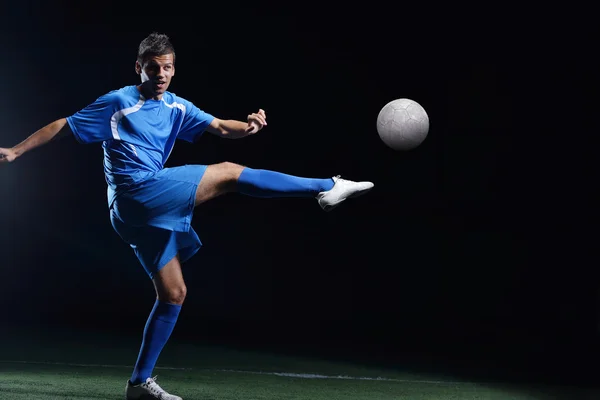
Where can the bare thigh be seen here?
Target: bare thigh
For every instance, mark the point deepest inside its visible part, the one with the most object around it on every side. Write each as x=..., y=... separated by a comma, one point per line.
x=169, y=284
x=218, y=179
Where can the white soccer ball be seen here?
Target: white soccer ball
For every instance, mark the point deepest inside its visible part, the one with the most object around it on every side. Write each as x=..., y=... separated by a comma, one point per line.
x=402, y=124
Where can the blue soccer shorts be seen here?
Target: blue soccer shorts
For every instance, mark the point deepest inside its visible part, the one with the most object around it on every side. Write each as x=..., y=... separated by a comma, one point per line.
x=154, y=216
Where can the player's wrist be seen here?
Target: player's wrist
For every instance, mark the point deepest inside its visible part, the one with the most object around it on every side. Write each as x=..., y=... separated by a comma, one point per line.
x=17, y=152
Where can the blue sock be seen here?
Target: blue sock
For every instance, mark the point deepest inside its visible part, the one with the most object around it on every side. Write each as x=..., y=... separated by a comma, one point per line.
x=264, y=183
x=158, y=329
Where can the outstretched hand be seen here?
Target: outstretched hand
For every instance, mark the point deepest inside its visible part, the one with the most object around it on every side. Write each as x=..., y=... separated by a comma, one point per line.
x=256, y=122
x=7, y=155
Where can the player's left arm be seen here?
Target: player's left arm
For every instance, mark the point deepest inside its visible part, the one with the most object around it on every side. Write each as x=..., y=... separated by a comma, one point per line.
x=233, y=129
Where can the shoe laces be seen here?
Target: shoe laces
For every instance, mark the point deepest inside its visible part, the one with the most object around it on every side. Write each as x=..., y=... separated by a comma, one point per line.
x=153, y=386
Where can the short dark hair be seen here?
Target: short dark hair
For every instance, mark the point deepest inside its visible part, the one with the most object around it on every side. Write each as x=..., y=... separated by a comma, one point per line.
x=155, y=44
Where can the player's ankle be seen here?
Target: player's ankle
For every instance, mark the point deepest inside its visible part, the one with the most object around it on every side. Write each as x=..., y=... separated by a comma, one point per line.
x=136, y=381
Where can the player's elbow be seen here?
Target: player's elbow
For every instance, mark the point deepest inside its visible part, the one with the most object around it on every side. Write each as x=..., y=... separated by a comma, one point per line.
x=216, y=127
x=223, y=132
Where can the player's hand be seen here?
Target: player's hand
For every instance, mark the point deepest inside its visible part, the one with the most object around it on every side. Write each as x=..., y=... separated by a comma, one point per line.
x=7, y=155
x=256, y=122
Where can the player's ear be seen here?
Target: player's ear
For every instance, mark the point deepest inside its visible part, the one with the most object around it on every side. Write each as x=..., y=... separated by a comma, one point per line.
x=138, y=68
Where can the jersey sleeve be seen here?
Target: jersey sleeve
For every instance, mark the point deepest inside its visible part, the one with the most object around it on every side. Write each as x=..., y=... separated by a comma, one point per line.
x=92, y=124
x=195, y=122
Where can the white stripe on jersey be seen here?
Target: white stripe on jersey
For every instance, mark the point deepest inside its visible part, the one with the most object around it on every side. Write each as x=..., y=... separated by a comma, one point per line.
x=116, y=117
x=174, y=104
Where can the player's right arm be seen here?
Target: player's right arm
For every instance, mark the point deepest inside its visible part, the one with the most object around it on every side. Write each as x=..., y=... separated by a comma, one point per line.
x=52, y=131
x=92, y=124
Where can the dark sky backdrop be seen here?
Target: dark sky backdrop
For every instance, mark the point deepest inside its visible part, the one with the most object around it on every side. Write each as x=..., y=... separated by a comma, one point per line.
x=480, y=229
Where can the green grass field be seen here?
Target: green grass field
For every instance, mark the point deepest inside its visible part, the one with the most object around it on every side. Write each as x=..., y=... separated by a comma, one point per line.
x=36, y=366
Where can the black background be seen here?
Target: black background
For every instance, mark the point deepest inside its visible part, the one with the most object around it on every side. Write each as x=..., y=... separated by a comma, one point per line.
x=481, y=238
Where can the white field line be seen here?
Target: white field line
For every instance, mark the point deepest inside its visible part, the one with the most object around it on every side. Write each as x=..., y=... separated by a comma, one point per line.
x=283, y=374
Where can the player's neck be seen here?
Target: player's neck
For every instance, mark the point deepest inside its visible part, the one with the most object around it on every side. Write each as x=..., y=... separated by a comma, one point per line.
x=148, y=95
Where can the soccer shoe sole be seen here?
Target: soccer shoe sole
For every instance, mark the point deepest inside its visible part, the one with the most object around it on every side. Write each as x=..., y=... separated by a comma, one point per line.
x=143, y=397
x=329, y=207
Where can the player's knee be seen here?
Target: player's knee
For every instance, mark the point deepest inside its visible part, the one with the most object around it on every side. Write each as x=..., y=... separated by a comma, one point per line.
x=230, y=172
x=219, y=179
x=174, y=295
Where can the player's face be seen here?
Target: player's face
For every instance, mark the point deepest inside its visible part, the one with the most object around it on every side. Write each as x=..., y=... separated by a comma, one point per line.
x=156, y=73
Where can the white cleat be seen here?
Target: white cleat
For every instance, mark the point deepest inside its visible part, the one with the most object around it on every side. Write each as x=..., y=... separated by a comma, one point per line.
x=148, y=390
x=342, y=189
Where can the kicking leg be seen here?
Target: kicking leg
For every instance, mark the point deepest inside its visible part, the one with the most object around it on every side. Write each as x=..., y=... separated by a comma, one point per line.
x=170, y=291
x=229, y=177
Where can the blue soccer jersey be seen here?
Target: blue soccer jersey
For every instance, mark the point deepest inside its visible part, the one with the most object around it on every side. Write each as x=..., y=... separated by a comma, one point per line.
x=137, y=134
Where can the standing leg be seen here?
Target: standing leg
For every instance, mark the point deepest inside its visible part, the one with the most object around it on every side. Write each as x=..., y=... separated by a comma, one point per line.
x=171, y=291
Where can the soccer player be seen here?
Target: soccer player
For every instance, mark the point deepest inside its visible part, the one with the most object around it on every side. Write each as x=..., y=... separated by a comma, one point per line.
x=151, y=206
